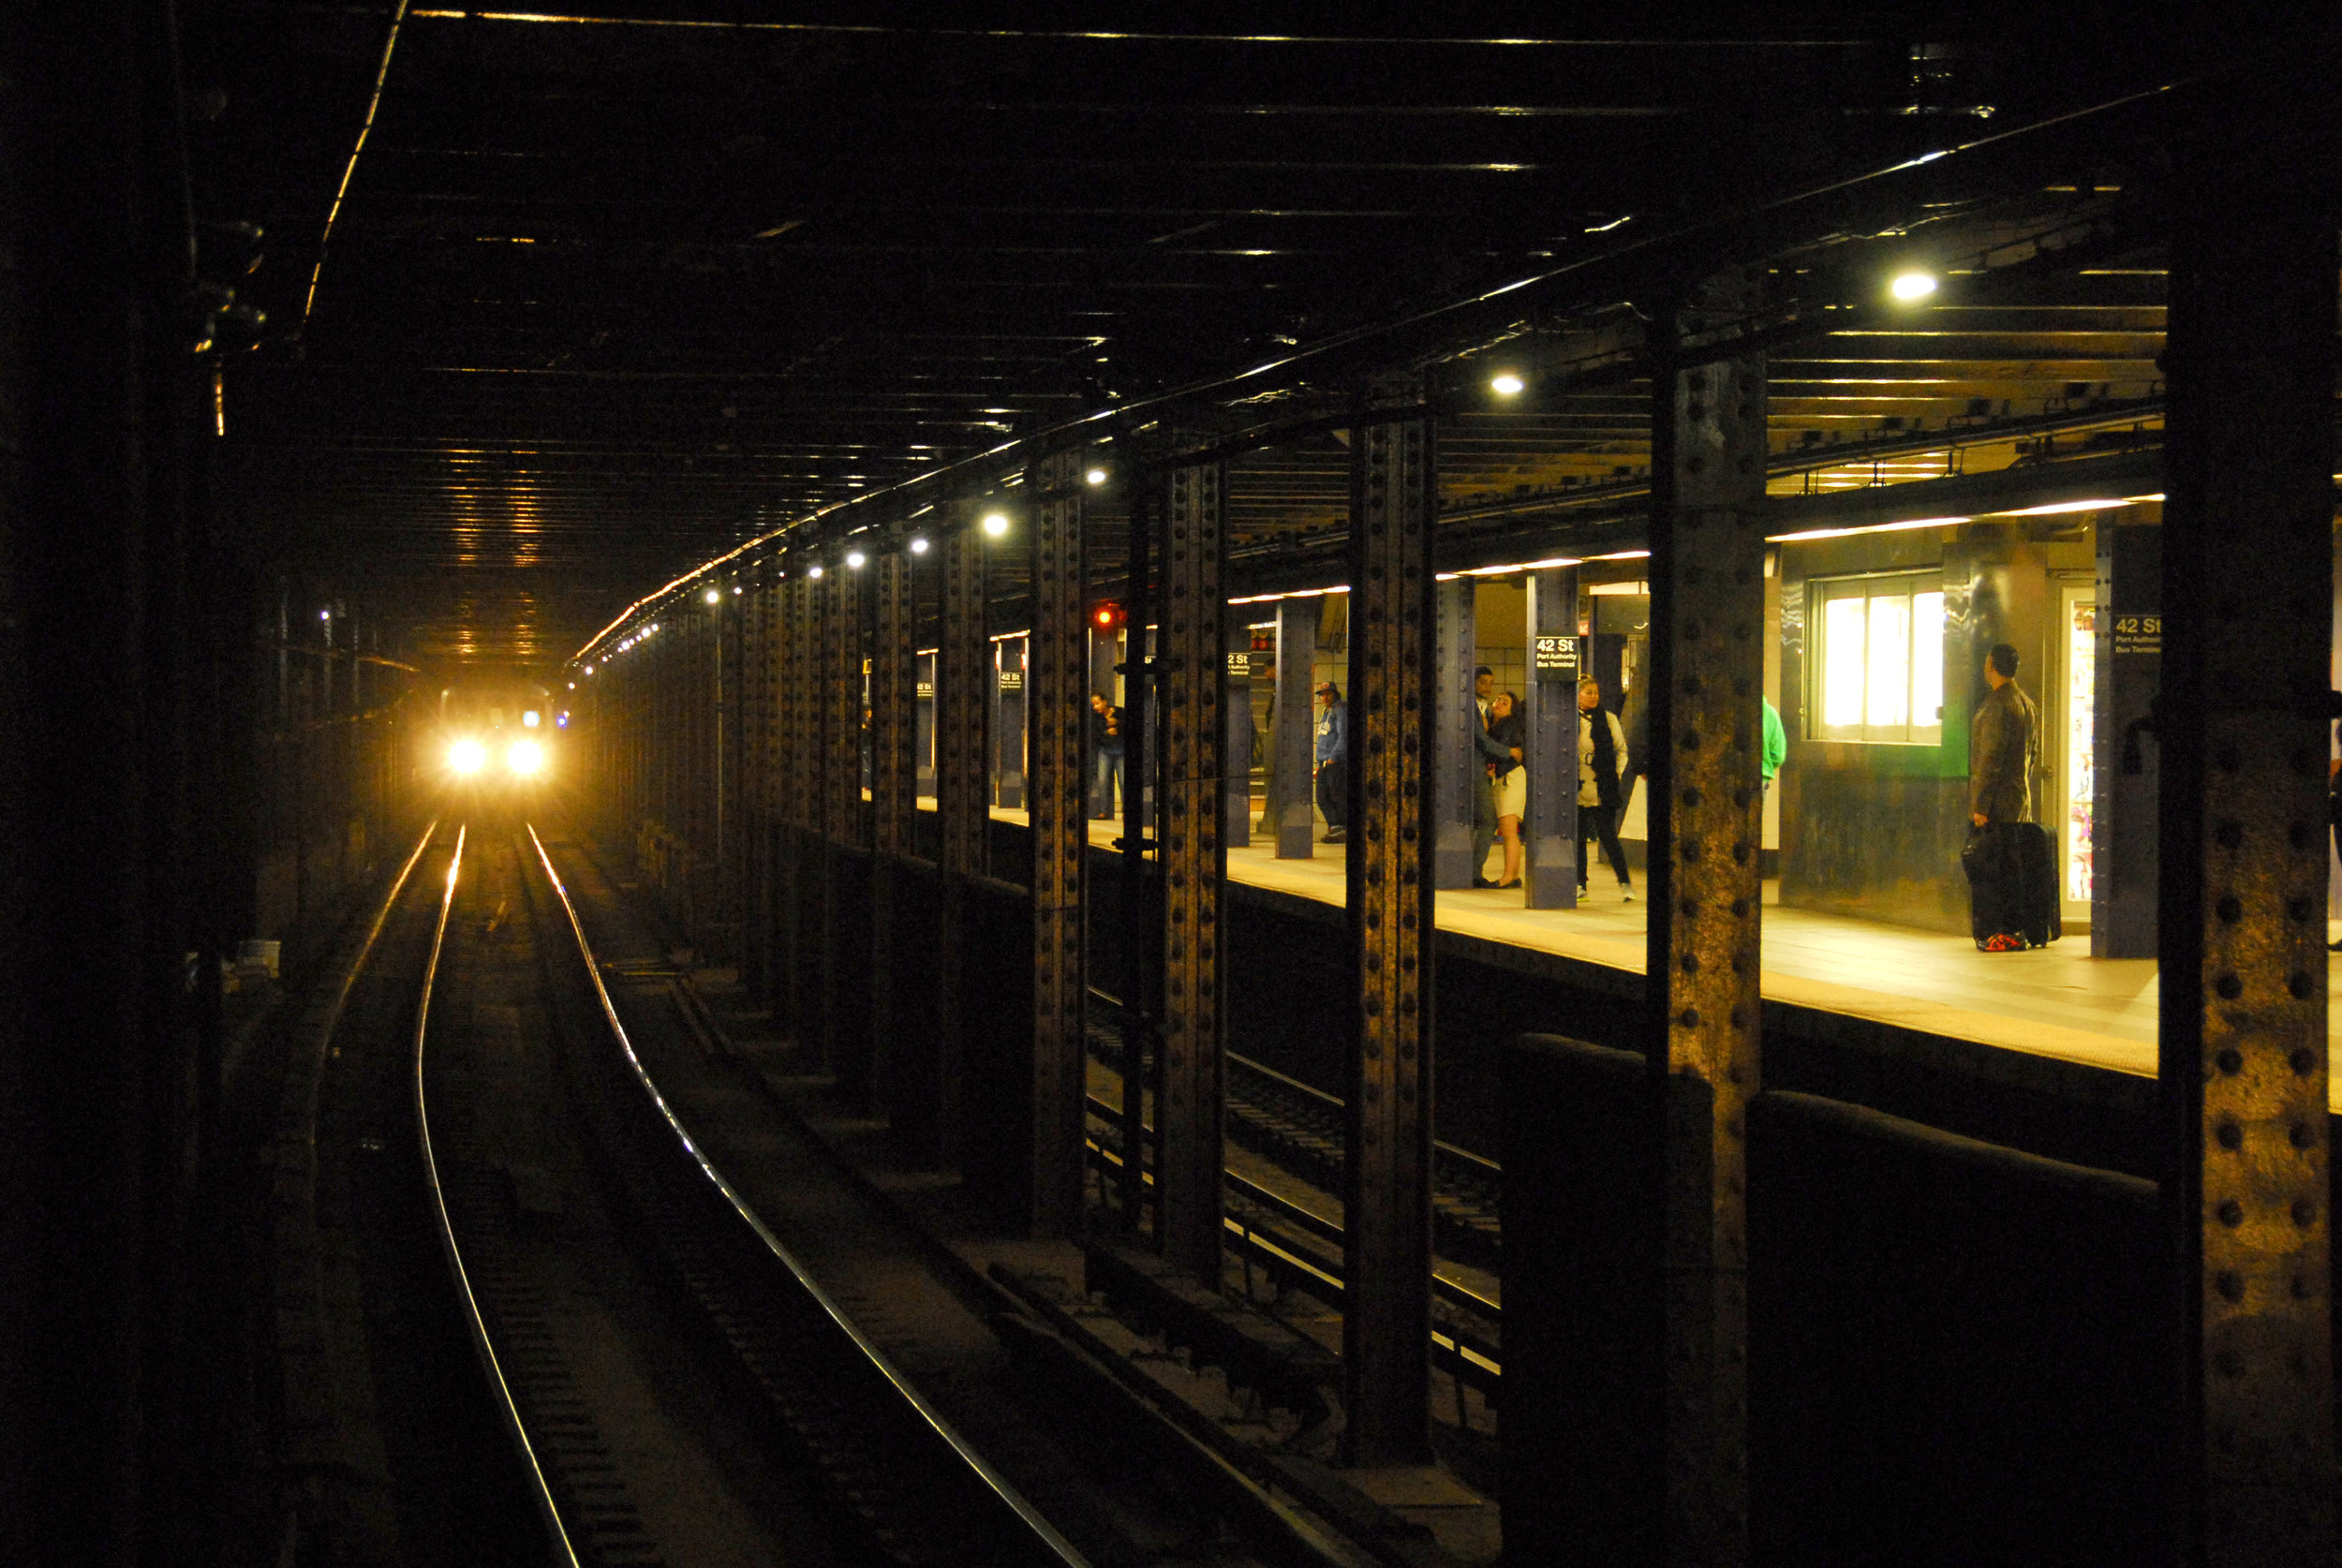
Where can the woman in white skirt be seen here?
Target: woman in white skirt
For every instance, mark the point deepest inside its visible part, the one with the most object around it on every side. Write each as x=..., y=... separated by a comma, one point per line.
x=1508, y=727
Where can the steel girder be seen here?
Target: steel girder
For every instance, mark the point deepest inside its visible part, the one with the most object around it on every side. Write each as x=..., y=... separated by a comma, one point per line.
x=1707, y=642
x=1057, y=688
x=1387, y=1244
x=962, y=693
x=2247, y=618
x=1193, y=865
x=894, y=709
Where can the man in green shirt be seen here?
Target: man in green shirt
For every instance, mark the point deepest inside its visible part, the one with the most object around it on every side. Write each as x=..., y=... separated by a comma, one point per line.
x=1777, y=743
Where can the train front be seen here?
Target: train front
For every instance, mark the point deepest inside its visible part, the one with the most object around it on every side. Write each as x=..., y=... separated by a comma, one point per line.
x=496, y=749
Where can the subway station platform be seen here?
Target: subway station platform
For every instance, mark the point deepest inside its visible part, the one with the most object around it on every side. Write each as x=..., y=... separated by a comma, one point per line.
x=2056, y=1002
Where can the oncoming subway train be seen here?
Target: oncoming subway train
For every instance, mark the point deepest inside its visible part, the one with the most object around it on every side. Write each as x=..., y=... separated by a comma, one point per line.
x=496, y=741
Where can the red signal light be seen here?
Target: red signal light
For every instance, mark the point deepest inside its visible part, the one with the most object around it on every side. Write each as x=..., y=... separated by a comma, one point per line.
x=1109, y=618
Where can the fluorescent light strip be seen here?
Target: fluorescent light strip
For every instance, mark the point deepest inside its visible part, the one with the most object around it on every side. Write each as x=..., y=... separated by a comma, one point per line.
x=2055, y=507
x=1866, y=529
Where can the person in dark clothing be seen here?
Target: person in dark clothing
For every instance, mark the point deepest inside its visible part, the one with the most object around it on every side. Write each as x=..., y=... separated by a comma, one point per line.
x=1105, y=747
x=1509, y=728
x=2004, y=753
x=1637, y=719
x=1485, y=755
x=1601, y=785
x=1332, y=751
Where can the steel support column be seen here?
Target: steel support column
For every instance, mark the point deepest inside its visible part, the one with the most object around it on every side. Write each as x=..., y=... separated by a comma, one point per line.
x=841, y=699
x=1189, y=1120
x=962, y=693
x=1707, y=645
x=1058, y=723
x=1292, y=748
x=1387, y=1244
x=1550, y=830
x=894, y=781
x=1454, y=758
x=1010, y=656
x=2247, y=618
x=1237, y=735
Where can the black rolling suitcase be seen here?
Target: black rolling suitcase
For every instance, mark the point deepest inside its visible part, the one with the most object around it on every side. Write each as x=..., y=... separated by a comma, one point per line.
x=2012, y=883
x=2041, y=911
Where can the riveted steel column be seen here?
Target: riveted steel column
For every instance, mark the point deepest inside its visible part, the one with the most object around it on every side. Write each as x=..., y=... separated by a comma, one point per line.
x=963, y=692
x=893, y=782
x=2246, y=616
x=1387, y=1244
x=1291, y=731
x=1238, y=732
x=806, y=774
x=963, y=679
x=1058, y=726
x=1458, y=764
x=1189, y=1118
x=1009, y=657
x=1707, y=642
x=841, y=694
x=1550, y=828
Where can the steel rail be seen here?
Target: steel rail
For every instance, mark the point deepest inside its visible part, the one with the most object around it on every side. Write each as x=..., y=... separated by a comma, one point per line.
x=1046, y=1534
x=1477, y=1361
x=564, y=1552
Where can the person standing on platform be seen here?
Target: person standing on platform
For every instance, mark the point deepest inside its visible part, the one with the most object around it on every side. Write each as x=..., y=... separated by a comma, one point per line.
x=2004, y=749
x=1486, y=754
x=1333, y=762
x=1105, y=741
x=1777, y=743
x=1601, y=781
x=1509, y=728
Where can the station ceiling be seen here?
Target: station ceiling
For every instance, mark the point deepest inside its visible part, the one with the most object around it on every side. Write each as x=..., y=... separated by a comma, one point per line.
x=601, y=294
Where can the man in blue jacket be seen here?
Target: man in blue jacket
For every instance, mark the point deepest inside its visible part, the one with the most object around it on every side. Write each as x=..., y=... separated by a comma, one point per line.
x=1333, y=762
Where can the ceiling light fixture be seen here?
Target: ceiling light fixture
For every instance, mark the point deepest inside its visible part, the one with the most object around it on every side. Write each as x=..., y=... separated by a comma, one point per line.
x=1912, y=287
x=995, y=523
x=1506, y=384
x=854, y=558
x=919, y=546
x=1096, y=476
x=1866, y=529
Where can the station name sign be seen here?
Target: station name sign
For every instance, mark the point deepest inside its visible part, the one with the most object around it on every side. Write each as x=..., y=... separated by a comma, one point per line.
x=2138, y=634
x=926, y=690
x=1012, y=680
x=1556, y=658
x=1240, y=666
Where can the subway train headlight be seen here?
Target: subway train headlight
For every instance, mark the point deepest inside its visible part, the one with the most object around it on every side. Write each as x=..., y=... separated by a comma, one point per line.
x=466, y=757
x=526, y=757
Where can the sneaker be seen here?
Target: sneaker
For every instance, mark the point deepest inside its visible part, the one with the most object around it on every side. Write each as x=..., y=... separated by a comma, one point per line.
x=2002, y=941
x=1625, y=894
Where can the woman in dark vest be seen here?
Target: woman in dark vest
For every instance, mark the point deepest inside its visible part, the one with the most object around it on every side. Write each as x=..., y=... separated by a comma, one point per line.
x=1601, y=784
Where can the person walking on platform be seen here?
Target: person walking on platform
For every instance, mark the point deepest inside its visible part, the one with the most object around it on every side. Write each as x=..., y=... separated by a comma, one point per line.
x=1333, y=762
x=2004, y=750
x=1601, y=781
x=1509, y=728
x=1486, y=754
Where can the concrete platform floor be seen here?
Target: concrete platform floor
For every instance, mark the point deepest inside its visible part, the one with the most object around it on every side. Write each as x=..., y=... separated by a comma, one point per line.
x=2054, y=1001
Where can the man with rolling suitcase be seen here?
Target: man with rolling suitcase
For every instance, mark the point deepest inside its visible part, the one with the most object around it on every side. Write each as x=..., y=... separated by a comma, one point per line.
x=2012, y=883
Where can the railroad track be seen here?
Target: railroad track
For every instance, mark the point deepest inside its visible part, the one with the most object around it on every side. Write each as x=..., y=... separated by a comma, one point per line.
x=896, y=1483
x=1298, y=1127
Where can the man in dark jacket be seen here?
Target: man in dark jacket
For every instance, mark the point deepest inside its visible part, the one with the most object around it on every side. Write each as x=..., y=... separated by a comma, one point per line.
x=2004, y=752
